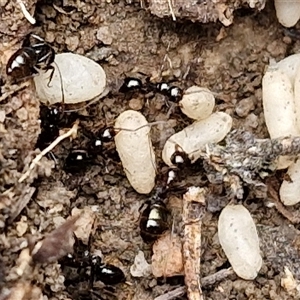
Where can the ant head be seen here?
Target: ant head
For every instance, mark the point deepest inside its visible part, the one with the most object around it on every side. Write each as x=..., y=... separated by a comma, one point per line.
x=107, y=134
x=96, y=260
x=180, y=157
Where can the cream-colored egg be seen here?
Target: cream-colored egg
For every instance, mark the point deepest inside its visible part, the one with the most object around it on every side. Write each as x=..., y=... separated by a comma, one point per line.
x=290, y=66
x=290, y=189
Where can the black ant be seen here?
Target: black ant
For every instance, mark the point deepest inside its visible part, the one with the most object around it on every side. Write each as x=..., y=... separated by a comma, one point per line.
x=132, y=84
x=28, y=60
x=174, y=93
x=37, y=55
x=78, y=159
x=154, y=220
x=155, y=217
x=103, y=136
x=180, y=158
x=85, y=266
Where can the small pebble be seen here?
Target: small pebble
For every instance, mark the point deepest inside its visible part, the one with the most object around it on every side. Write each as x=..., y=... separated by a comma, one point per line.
x=244, y=106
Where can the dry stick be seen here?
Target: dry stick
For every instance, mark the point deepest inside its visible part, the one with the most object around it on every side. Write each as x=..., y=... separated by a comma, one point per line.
x=25, y=12
x=193, y=213
x=171, y=10
x=205, y=281
x=71, y=132
x=292, y=217
x=19, y=88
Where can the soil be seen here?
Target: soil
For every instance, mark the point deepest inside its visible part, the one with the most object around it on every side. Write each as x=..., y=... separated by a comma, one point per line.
x=127, y=40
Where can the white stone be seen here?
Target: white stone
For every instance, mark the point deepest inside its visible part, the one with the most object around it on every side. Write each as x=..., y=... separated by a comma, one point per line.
x=239, y=240
x=136, y=151
x=140, y=268
x=83, y=79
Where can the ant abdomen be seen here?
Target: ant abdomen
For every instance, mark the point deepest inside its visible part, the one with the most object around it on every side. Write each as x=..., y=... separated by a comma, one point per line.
x=154, y=221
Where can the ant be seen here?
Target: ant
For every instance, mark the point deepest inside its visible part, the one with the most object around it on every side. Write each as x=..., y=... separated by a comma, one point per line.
x=34, y=56
x=88, y=267
x=154, y=220
x=132, y=84
x=78, y=159
x=26, y=62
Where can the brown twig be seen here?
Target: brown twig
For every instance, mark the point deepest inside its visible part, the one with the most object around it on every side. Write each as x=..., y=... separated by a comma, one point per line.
x=193, y=212
x=20, y=87
x=293, y=218
x=205, y=281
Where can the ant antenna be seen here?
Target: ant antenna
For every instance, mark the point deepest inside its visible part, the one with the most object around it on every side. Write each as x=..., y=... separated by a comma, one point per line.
x=146, y=125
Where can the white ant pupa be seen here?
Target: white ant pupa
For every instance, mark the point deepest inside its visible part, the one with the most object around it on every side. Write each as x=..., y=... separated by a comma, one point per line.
x=193, y=138
x=82, y=78
x=136, y=151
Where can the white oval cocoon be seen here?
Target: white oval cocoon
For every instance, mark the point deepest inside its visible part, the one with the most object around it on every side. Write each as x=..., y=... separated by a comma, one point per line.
x=297, y=97
x=278, y=103
x=290, y=66
x=197, y=103
x=83, y=79
x=194, y=137
x=290, y=189
x=287, y=11
x=239, y=240
x=279, y=107
x=136, y=151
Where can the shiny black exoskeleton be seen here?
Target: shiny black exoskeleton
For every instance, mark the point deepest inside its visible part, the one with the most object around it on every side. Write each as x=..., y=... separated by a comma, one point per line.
x=90, y=267
x=105, y=135
x=131, y=84
x=154, y=220
x=173, y=93
x=106, y=273
x=77, y=160
x=34, y=56
x=51, y=118
x=180, y=158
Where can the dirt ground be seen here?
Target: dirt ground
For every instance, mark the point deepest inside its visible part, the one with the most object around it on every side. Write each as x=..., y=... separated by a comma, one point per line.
x=128, y=40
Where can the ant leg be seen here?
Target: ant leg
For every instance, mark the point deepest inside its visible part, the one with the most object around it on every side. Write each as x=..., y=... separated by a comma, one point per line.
x=37, y=38
x=51, y=74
